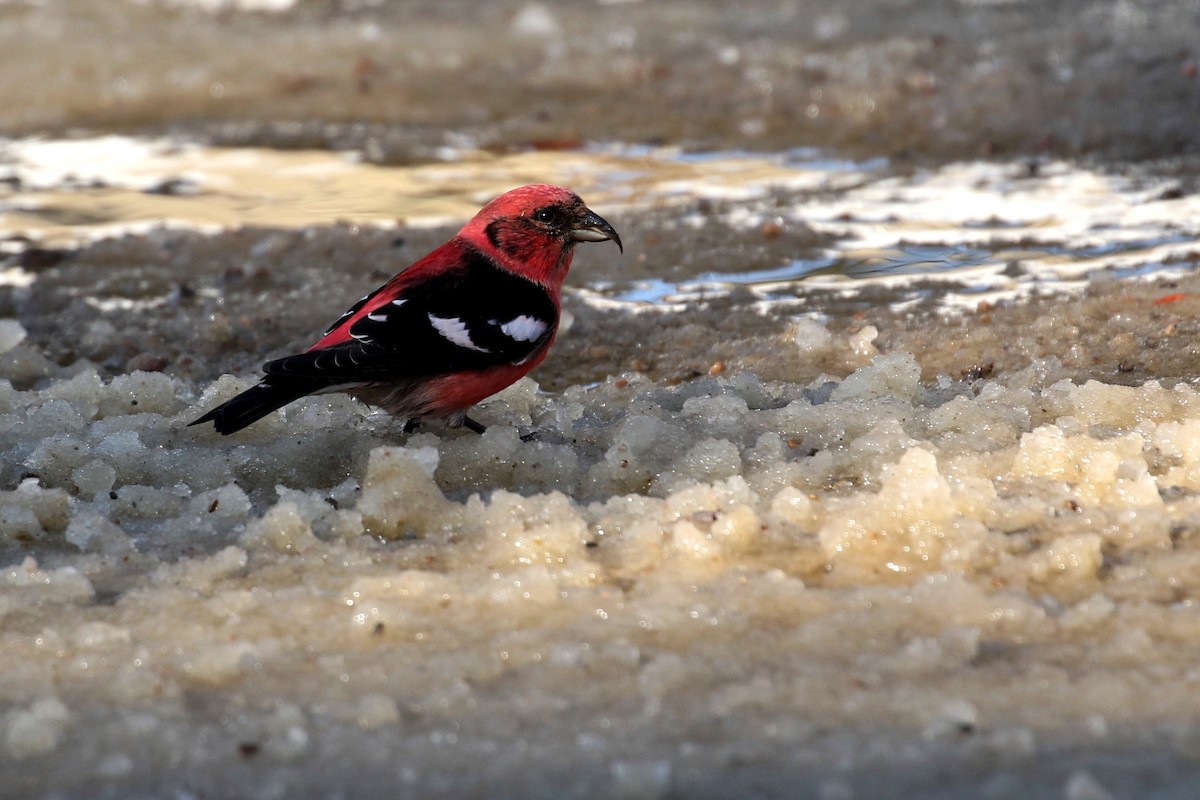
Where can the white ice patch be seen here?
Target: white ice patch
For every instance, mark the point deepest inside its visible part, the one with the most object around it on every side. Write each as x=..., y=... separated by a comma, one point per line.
x=378, y=316
x=524, y=328
x=17, y=277
x=399, y=302
x=455, y=330
x=11, y=334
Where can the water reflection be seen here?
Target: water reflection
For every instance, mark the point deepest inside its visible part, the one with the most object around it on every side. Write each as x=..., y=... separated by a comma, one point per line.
x=974, y=227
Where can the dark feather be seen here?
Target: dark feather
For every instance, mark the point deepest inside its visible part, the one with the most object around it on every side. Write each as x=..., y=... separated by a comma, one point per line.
x=258, y=401
x=405, y=344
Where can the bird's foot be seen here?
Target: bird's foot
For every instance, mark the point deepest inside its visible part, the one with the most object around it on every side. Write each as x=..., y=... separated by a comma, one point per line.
x=465, y=422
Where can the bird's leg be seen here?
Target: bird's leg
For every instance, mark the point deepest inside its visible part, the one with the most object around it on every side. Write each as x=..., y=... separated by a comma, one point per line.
x=472, y=425
x=412, y=424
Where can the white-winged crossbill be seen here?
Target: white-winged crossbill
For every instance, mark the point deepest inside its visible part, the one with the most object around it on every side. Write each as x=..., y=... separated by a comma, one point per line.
x=457, y=326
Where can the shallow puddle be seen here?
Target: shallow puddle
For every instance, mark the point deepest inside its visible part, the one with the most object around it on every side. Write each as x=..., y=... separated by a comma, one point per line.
x=985, y=231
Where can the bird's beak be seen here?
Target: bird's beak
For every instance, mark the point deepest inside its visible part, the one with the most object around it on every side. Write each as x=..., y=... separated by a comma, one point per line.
x=591, y=227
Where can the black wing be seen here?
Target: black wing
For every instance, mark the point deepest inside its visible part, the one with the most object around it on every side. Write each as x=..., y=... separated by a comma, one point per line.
x=470, y=317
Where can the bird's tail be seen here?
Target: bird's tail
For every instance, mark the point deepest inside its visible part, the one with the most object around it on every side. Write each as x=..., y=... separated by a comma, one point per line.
x=256, y=402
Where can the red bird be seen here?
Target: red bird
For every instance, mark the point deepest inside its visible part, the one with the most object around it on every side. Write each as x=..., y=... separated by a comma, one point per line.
x=465, y=321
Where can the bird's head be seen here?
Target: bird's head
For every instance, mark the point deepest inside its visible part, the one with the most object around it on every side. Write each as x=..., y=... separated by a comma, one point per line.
x=533, y=230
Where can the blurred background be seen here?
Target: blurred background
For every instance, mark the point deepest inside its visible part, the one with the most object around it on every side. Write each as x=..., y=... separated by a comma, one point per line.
x=916, y=79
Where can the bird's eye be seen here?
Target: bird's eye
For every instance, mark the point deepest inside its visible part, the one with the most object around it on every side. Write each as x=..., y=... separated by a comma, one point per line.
x=544, y=215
